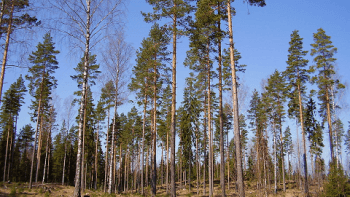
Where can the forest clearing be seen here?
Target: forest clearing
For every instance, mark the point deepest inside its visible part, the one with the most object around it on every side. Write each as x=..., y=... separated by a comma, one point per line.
x=57, y=190
x=189, y=98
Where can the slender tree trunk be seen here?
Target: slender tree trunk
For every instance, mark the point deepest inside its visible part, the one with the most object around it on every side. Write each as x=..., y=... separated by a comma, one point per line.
x=147, y=163
x=228, y=164
x=306, y=187
x=209, y=127
x=65, y=156
x=7, y=43
x=83, y=181
x=38, y=154
x=299, y=165
x=282, y=155
x=337, y=152
x=329, y=120
x=7, y=145
x=13, y=138
x=222, y=154
x=143, y=143
x=161, y=167
x=197, y=162
x=77, y=188
x=167, y=162
x=275, y=155
x=106, y=159
x=154, y=138
x=46, y=156
x=112, y=163
x=173, y=108
x=240, y=183
x=96, y=148
x=205, y=146
x=47, y=144
x=36, y=131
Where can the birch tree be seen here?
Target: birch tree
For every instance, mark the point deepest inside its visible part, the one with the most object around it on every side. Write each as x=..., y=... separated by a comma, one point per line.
x=116, y=62
x=85, y=22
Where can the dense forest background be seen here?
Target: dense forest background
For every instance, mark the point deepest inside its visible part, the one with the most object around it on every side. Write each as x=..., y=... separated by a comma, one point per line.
x=90, y=96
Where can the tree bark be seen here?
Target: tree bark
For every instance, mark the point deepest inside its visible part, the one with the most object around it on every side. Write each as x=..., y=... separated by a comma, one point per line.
x=143, y=143
x=36, y=132
x=96, y=148
x=77, y=188
x=173, y=108
x=240, y=183
x=38, y=154
x=306, y=186
x=106, y=159
x=222, y=156
x=154, y=135
x=209, y=127
x=7, y=43
x=7, y=145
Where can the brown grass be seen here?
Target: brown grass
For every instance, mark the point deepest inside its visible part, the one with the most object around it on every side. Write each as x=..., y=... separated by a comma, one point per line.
x=43, y=190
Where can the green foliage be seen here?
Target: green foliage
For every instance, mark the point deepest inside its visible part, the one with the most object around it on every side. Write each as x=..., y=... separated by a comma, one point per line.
x=313, y=128
x=20, y=18
x=44, y=65
x=347, y=140
x=13, y=191
x=92, y=73
x=47, y=194
x=296, y=73
x=323, y=52
x=41, y=79
x=337, y=183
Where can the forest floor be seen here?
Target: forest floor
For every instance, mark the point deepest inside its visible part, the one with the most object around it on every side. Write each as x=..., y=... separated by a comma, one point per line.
x=50, y=189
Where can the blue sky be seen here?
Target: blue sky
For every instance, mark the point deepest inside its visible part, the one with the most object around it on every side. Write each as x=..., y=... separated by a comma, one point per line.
x=261, y=35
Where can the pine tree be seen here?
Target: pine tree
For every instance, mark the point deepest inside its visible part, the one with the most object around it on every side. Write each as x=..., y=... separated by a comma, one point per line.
x=288, y=147
x=11, y=106
x=323, y=52
x=12, y=16
x=258, y=122
x=275, y=93
x=24, y=144
x=337, y=184
x=177, y=12
x=297, y=75
x=240, y=181
x=41, y=83
x=315, y=134
x=347, y=141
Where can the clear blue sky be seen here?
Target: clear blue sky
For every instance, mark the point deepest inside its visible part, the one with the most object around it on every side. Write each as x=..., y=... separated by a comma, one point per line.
x=262, y=36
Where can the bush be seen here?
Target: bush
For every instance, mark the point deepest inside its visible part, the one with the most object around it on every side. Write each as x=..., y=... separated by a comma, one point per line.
x=337, y=183
x=13, y=191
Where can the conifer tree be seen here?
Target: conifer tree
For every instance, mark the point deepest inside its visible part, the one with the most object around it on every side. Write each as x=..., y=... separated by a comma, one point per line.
x=347, y=140
x=288, y=147
x=315, y=134
x=11, y=19
x=240, y=181
x=275, y=93
x=41, y=82
x=297, y=75
x=177, y=11
x=24, y=143
x=323, y=52
x=258, y=122
x=11, y=106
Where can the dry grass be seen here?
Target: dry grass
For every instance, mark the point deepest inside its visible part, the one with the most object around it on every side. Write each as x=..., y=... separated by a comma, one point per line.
x=21, y=189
